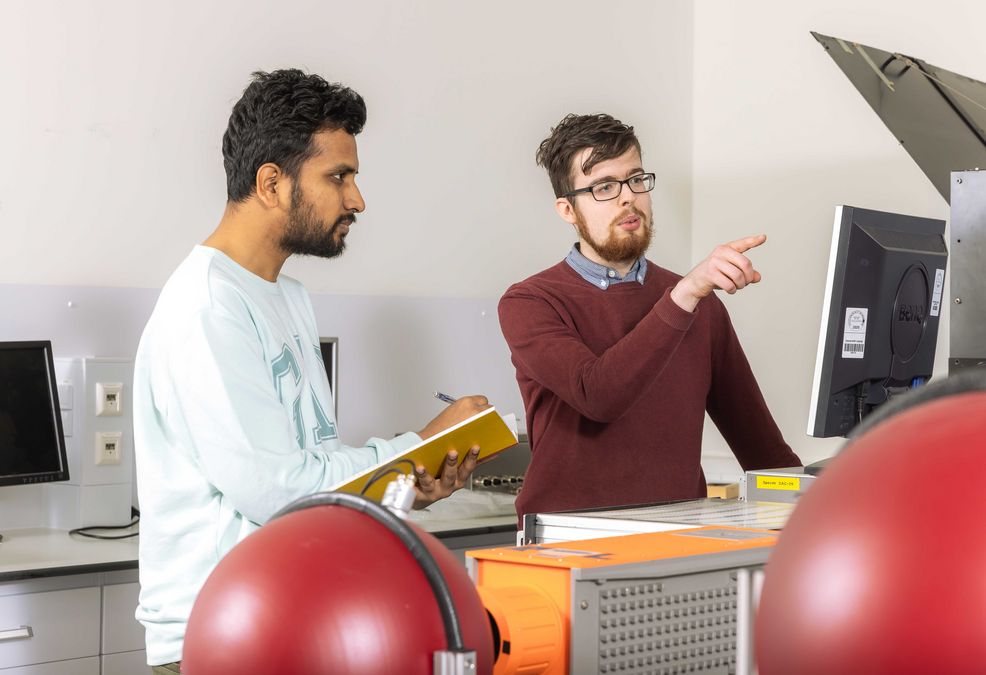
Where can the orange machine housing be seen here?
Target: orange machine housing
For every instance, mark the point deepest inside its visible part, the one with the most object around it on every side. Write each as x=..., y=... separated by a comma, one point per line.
x=528, y=591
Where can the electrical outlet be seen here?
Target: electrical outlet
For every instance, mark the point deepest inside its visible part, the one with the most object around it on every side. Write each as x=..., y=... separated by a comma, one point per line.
x=109, y=447
x=109, y=399
x=66, y=395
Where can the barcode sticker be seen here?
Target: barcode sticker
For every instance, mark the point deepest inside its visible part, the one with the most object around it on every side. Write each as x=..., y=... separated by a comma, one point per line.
x=854, y=335
x=936, y=293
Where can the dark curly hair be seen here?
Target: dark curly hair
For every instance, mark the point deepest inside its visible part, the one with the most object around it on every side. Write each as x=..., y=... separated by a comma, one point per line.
x=275, y=119
x=608, y=137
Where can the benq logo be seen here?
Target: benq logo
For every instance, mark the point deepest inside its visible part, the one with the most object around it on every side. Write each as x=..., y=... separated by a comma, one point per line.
x=911, y=313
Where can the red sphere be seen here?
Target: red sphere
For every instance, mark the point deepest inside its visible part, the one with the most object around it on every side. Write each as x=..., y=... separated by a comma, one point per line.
x=882, y=566
x=328, y=589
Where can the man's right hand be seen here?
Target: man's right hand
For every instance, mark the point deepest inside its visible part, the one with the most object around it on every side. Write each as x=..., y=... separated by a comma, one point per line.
x=726, y=269
x=462, y=409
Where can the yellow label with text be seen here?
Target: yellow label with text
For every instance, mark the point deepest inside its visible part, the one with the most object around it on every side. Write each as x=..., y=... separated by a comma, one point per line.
x=778, y=483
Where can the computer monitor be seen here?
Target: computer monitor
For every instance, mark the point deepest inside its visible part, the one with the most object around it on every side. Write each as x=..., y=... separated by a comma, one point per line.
x=32, y=443
x=329, y=347
x=880, y=315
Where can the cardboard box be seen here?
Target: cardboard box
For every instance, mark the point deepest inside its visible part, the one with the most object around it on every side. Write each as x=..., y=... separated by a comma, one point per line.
x=723, y=491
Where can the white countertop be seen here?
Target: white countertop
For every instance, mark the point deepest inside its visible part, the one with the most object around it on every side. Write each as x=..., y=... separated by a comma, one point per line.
x=45, y=552
x=455, y=526
x=34, y=552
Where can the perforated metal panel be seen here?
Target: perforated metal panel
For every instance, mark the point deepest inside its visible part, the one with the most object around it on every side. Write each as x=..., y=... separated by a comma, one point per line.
x=679, y=624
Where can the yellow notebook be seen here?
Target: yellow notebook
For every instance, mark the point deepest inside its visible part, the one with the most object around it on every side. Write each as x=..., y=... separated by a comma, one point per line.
x=486, y=429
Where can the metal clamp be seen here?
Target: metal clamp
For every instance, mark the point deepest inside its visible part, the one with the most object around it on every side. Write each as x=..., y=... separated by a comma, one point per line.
x=399, y=495
x=455, y=663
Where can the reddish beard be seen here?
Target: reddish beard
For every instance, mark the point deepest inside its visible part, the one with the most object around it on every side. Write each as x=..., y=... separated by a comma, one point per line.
x=620, y=246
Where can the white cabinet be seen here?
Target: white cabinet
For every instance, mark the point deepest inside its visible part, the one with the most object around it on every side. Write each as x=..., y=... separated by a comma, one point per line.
x=72, y=625
x=48, y=626
x=121, y=631
x=127, y=663
x=89, y=666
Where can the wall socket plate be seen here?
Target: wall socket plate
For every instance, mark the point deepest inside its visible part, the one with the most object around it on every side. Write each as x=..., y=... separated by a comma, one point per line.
x=109, y=447
x=109, y=399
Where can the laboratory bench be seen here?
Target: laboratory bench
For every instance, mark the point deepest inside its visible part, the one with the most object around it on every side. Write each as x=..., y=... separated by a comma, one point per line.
x=67, y=603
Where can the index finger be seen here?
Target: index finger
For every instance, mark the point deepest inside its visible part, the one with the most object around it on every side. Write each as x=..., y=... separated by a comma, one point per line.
x=425, y=481
x=449, y=474
x=469, y=463
x=746, y=243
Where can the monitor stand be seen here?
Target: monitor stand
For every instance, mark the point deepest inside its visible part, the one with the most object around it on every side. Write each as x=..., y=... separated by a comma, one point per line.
x=816, y=468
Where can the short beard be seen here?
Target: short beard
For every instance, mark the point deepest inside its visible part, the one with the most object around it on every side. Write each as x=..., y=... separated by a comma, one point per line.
x=617, y=248
x=306, y=234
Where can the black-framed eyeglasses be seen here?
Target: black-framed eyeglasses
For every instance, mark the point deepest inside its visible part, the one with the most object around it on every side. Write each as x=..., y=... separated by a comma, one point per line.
x=611, y=189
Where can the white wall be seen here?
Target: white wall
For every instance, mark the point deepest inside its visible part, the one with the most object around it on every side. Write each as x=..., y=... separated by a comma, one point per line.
x=113, y=113
x=781, y=136
x=111, y=118
x=394, y=352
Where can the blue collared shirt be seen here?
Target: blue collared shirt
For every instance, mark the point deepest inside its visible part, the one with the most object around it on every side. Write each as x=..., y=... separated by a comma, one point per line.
x=601, y=276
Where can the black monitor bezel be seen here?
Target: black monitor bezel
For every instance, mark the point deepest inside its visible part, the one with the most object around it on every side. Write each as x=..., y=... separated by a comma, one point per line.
x=48, y=476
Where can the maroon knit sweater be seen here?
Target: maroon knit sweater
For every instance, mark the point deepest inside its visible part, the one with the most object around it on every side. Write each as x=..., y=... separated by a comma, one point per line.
x=616, y=384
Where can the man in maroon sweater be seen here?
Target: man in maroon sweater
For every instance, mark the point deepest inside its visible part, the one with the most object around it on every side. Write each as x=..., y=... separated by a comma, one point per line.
x=618, y=359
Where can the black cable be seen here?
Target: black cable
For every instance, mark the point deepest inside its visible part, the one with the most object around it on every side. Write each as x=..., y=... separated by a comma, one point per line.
x=81, y=531
x=962, y=383
x=385, y=471
x=410, y=539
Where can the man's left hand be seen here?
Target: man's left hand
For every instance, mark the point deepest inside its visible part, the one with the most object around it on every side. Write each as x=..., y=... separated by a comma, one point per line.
x=453, y=476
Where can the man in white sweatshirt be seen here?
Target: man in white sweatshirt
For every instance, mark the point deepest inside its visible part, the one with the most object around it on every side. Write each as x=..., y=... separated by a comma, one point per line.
x=233, y=416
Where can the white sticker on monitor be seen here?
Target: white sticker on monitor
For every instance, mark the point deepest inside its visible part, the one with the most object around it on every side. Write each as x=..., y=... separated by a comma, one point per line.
x=854, y=336
x=936, y=294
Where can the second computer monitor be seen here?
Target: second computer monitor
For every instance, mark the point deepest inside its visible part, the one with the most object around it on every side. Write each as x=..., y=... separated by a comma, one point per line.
x=329, y=348
x=32, y=443
x=880, y=314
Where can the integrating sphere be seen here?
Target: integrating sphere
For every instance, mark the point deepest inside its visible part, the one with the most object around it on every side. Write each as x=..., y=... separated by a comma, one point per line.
x=881, y=568
x=329, y=589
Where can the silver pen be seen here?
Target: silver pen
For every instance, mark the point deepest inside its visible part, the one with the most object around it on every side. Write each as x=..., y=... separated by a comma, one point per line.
x=444, y=397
